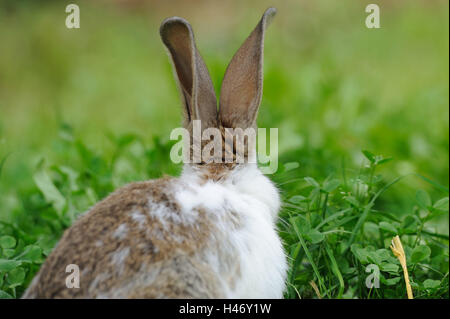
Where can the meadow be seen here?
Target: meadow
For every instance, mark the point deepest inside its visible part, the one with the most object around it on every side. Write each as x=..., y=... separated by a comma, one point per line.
x=362, y=117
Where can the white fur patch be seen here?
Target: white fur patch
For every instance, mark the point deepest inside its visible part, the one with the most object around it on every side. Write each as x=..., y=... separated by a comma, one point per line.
x=167, y=215
x=118, y=258
x=138, y=217
x=121, y=231
x=255, y=200
x=98, y=243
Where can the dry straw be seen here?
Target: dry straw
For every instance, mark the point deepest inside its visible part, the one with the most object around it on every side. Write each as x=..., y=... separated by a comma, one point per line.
x=316, y=289
x=397, y=249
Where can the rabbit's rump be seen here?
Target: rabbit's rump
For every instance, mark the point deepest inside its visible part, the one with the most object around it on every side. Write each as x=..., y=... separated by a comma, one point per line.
x=162, y=239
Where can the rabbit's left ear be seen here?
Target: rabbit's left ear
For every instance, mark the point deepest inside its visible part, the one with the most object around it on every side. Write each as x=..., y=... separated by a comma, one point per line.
x=241, y=91
x=193, y=78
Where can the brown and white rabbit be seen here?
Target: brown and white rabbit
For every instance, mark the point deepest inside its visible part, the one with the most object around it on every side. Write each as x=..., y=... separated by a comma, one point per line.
x=208, y=234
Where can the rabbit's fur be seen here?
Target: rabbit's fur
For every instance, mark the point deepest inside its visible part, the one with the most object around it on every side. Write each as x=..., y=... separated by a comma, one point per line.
x=208, y=234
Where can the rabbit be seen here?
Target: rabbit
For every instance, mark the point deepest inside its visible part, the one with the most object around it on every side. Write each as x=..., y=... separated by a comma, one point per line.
x=211, y=233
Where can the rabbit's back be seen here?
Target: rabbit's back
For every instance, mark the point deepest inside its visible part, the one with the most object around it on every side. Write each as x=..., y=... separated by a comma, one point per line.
x=136, y=243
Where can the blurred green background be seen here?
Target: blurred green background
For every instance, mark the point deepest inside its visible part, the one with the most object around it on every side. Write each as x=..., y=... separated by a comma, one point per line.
x=332, y=86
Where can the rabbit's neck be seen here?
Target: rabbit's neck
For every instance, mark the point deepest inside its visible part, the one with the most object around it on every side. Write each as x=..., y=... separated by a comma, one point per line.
x=242, y=180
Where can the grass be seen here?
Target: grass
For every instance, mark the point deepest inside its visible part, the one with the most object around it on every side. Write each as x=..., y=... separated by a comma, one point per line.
x=85, y=112
x=333, y=231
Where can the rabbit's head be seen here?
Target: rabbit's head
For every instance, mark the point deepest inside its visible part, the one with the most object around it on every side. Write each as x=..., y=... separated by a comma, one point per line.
x=240, y=95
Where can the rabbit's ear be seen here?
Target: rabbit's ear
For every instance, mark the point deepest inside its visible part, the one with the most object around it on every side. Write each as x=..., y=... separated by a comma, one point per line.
x=241, y=91
x=191, y=73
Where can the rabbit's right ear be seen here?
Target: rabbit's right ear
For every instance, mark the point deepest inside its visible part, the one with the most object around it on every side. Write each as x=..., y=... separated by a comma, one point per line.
x=191, y=73
x=242, y=84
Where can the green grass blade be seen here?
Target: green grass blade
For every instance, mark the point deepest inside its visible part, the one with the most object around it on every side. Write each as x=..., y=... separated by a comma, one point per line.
x=435, y=184
x=308, y=255
x=298, y=257
x=332, y=217
x=2, y=163
x=336, y=271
